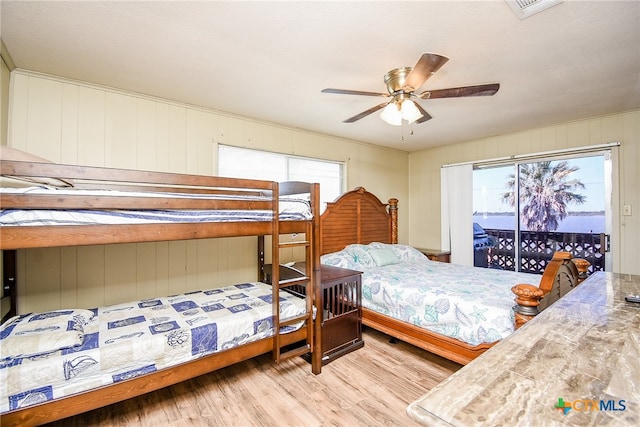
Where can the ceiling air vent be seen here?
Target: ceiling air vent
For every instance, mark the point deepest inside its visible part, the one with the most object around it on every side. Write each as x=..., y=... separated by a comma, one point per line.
x=526, y=8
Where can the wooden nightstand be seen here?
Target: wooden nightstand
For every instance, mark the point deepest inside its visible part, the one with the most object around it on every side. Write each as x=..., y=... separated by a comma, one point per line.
x=436, y=254
x=339, y=316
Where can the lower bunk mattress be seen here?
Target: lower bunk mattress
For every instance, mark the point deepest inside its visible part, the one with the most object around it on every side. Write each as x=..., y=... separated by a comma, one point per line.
x=45, y=356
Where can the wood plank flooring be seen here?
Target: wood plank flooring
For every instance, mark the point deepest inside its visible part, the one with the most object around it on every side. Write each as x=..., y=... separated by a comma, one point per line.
x=371, y=386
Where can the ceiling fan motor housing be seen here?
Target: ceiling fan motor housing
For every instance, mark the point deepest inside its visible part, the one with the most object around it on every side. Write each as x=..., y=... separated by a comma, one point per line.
x=395, y=79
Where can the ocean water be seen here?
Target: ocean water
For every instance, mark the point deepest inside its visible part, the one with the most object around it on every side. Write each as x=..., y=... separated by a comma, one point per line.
x=571, y=224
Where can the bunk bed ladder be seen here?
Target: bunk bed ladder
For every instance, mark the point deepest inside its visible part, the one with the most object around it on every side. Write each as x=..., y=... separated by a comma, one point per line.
x=298, y=285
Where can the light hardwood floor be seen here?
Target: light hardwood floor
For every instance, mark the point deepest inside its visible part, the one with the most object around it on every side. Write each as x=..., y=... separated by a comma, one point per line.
x=369, y=387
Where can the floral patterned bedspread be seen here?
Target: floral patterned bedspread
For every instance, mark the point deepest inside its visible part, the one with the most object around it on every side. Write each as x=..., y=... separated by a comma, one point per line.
x=471, y=304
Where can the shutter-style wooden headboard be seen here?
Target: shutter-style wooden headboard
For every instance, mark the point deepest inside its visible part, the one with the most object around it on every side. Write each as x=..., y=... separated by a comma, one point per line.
x=358, y=217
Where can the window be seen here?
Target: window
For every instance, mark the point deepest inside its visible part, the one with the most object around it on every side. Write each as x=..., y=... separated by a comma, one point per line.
x=256, y=164
x=471, y=193
x=533, y=208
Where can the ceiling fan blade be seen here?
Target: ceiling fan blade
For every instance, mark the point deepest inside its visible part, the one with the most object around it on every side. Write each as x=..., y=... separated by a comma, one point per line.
x=425, y=116
x=366, y=113
x=428, y=64
x=458, y=92
x=353, y=92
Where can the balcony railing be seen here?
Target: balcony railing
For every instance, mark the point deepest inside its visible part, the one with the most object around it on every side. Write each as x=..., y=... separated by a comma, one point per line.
x=537, y=249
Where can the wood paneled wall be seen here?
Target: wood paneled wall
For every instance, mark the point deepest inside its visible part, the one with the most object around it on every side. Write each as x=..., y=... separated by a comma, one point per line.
x=76, y=123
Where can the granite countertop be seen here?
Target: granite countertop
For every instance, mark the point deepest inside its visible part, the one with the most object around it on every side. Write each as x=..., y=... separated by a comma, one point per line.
x=582, y=353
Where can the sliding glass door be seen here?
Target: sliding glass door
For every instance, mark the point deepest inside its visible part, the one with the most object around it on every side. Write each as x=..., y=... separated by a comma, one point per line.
x=526, y=211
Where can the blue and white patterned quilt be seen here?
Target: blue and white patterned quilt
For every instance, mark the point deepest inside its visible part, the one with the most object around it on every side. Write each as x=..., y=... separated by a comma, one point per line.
x=471, y=304
x=126, y=340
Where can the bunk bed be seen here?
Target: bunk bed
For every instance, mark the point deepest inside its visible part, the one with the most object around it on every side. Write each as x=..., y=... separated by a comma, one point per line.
x=358, y=223
x=212, y=206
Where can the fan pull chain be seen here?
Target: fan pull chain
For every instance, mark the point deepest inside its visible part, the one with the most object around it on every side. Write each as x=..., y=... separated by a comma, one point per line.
x=402, y=131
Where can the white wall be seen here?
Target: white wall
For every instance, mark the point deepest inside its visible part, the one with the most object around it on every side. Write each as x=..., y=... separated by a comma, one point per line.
x=424, y=175
x=71, y=122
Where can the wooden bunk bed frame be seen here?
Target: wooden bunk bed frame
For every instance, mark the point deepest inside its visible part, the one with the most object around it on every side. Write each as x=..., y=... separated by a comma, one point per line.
x=85, y=177
x=360, y=217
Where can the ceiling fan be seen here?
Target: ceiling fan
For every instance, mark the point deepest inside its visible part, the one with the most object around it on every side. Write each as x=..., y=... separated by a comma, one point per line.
x=401, y=86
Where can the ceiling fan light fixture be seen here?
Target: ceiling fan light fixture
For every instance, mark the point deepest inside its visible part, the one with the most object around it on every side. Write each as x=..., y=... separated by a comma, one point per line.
x=409, y=111
x=395, y=112
x=392, y=114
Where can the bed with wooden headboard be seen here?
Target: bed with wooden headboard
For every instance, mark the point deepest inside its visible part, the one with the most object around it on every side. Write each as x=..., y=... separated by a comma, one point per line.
x=360, y=217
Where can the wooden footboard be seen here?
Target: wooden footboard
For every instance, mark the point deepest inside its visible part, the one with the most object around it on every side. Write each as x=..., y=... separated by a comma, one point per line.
x=562, y=274
x=103, y=396
x=441, y=345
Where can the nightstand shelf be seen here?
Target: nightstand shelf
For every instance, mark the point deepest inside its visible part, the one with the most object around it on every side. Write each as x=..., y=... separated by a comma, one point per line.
x=436, y=254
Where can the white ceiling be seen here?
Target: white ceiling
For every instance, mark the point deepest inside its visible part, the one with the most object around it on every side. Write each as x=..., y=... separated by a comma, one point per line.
x=269, y=60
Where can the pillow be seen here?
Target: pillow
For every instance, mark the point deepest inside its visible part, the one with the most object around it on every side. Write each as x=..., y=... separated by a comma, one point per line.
x=408, y=253
x=378, y=245
x=41, y=333
x=383, y=256
x=339, y=259
x=8, y=153
x=404, y=253
x=360, y=255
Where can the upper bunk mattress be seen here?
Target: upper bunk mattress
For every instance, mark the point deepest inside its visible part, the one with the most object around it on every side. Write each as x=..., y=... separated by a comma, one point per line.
x=290, y=208
x=56, y=354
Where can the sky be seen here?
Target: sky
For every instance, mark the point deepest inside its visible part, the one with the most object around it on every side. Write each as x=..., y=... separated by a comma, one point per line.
x=489, y=184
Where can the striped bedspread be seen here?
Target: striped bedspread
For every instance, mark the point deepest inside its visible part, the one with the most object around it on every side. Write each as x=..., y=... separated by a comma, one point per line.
x=127, y=340
x=290, y=209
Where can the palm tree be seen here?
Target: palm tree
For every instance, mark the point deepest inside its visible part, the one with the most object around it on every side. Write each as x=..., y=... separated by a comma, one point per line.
x=545, y=192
